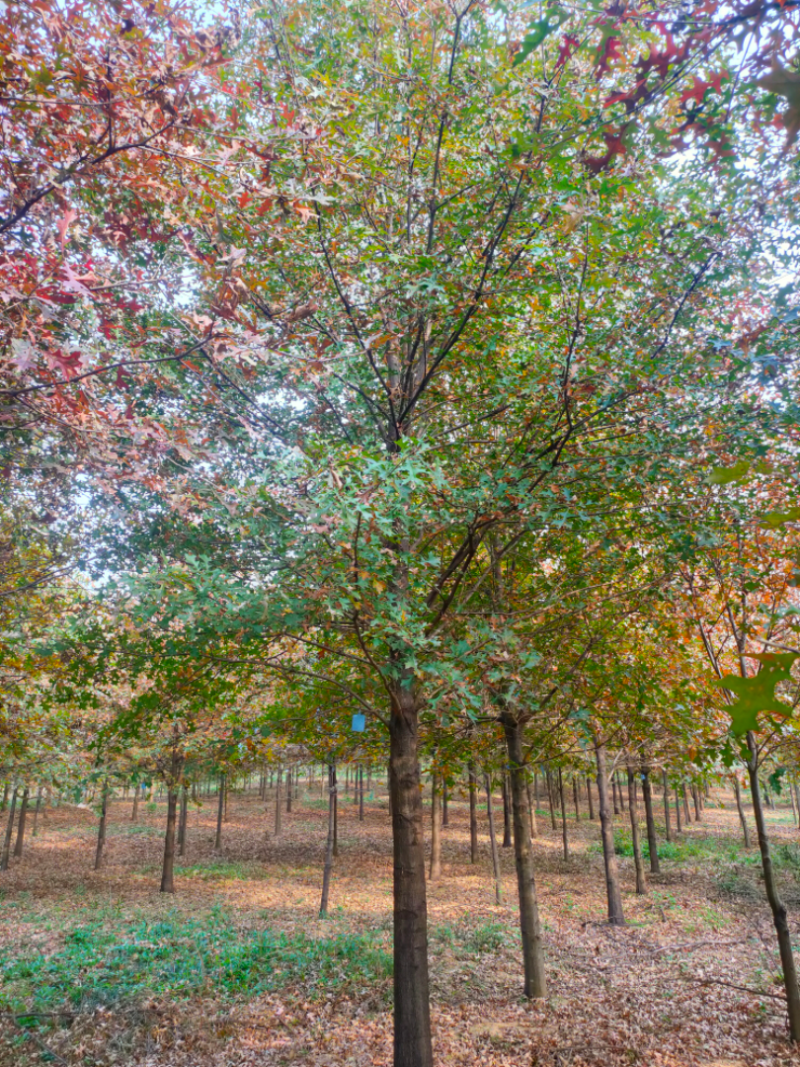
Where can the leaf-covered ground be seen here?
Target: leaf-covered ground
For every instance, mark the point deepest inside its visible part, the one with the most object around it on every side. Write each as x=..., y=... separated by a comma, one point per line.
x=98, y=968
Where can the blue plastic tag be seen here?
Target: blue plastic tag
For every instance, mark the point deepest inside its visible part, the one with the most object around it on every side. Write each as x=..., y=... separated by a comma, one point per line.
x=359, y=722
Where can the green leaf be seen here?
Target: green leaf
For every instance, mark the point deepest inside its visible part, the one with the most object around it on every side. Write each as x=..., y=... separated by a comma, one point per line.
x=540, y=31
x=758, y=692
x=726, y=475
x=776, y=519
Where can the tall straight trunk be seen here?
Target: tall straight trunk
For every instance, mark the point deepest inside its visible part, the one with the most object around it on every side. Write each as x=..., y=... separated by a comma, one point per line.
x=530, y=927
x=678, y=810
x=696, y=798
x=506, y=812
x=536, y=787
x=576, y=798
x=412, y=1023
x=621, y=793
x=23, y=811
x=589, y=796
x=101, y=829
x=278, y=809
x=226, y=790
x=220, y=813
x=355, y=783
x=135, y=812
x=531, y=809
x=687, y=815
x=4, y=801
x=615, y=915
x=777, y=906
x=652, y=840
x=791, y=798
x=498, y=886
x=326, y=873
x=289, y=790
x=335, y=812
x=183, y=820
x=742, y=820
x=797, y=801
x=473, y=812
x=5, y=855
x=168, y=868
x=564, y=836
x=361, y=793
x=667, y=827
x=550, y=798
x=435, y=870
x=768, y=797
x=36, y=812
x=633, y=810
x=389, y=788
x=445, y=812
x=614, y=793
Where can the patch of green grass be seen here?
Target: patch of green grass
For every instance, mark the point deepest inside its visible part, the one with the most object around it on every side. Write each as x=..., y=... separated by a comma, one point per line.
x=463, y=939
x=222, y=870
x=104, y=965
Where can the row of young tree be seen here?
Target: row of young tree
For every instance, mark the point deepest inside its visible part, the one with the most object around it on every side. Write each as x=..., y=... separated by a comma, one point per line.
x=425, y=368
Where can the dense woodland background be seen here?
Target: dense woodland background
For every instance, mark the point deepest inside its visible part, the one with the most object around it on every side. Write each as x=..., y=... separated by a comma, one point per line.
x=399, y=416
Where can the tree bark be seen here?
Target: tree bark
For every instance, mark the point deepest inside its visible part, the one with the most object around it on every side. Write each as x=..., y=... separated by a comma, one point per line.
x=412, y=1024
x=589, y=796
x=168, y=867
x=498, y=886
x=326, y=873
x=101, y=828
x=614, y=793
x=445, y=812
x=564, y=836
x=696, y=798
x=776, y=904
x=687, y=814
x=278, y=809
x=473, y=813
x=335, y=812
x=361, y=793
x=135, y=812
x=4, y=856
x=652, y=840
x=4, y=801
x=613, y=894
x=550, y=798
x=183, y=821
x=633, y=810
x=742, y=820
x=576, y=798
x=36, y=810
x=435, y=870
x=506, y=812
x=220, y=812
x=531, y=809
x=23, y=811
x=667, y=828
x=530, y=928
x=678, y=810
x=288, y=790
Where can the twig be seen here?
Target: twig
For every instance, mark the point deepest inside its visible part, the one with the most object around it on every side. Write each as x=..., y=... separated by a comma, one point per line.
x=732, y=985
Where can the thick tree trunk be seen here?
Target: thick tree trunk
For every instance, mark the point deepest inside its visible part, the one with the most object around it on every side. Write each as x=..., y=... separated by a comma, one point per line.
x=473, y=813
x=621, y=793
x=23, y=811
x=531, y=809
x=36, y=810
x=5, y=855
x=614, y=793
x=633, y=809
x=220, y=813
x=564, y=836
x=652, y=840
x=183, y=821
x=667, y=827
x=412, y=1024
x=776, y=904
x=696, y=798
x=589, y=796
x=742, y=820
x=168, y=868
x=506, y=812
x=326, y=873
x=530, y=928
x=101, y=829
x=576, y=798
x=615, y=915
x=498, y=886
x=135, y=812
x=687, y=814
x=435, y=870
